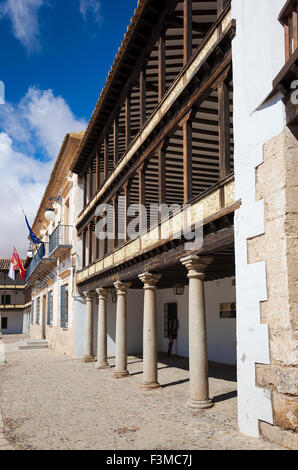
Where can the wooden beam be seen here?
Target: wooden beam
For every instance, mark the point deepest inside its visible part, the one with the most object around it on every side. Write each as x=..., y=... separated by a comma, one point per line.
x=127, y=121
x=142, y=97
x=116, y=142
x=187, y=31
x=161, y=66
x=224, y=129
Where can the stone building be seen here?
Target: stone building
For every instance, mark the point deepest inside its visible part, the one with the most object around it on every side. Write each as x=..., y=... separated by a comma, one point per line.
x=198, y=111
x=51, y=277
x=11, y=300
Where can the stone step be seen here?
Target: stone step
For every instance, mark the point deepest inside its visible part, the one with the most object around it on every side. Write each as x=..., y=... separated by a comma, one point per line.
x=38, y=344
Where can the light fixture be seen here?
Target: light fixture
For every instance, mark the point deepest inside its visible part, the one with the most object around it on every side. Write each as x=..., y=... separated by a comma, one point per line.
x=114, y=296
x=178, y=289
x=50, y=213
x=30, y=252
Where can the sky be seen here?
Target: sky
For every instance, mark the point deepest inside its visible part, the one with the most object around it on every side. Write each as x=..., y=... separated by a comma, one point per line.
x=55, y=56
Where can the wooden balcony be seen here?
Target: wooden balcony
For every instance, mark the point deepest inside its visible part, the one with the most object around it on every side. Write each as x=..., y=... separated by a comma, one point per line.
x=214, y=204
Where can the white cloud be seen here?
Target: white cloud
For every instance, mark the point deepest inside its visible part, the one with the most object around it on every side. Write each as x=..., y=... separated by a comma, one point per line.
x=34, y=127
x=90, y=10
x=23, y=15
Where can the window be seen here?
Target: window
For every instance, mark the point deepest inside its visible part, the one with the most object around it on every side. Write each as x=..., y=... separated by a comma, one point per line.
x=64, y=307
x=50, y=308
x=170, y=313
x=5, y=300
x=4, y=323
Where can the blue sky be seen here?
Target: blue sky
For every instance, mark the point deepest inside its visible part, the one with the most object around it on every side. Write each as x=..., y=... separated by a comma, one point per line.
x=54, y=59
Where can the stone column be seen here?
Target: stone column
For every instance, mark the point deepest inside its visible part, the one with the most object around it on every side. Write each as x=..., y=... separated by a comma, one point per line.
x=102, y=362
x=121, y=330
x=150, y=359
x=198, y=354
x=88, y=357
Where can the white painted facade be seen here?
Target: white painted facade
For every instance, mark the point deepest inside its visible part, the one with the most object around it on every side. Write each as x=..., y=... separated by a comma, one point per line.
x=258, y=56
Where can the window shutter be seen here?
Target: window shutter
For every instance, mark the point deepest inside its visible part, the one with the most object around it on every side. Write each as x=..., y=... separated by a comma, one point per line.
x=37, y=308
x=63, y=306
x=49, y=308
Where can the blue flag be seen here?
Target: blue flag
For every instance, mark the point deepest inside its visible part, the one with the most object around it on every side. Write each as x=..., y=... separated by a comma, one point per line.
x=36, y=240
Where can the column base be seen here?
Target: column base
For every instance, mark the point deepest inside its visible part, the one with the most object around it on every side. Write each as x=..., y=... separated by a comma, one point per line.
x=200, y=404
x=88, y=358
x=119, y=374
x=103, y=365
x=149, y=385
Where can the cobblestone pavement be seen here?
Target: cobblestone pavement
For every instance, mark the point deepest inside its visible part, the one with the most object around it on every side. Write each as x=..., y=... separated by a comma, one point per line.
x=49, y=401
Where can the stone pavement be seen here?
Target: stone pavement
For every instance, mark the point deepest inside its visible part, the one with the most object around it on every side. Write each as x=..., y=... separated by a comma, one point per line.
x=49, y=401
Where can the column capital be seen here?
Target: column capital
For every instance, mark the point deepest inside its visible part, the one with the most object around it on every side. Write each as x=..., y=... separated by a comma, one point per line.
x=122, y=287
x=196, y=265
x=102, y=293
x=89, y=295
x=149, y=280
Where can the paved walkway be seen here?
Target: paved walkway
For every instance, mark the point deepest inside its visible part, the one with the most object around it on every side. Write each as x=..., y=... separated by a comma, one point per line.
x=49, y=401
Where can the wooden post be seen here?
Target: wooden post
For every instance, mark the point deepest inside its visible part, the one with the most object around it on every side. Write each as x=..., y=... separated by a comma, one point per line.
x=187, y=31
x=96, y=239
x=90, y=250
x=187, y=160
x=142, y=195
x=91, y=180
x=295, y=28
x=116, y=142
x=224, y=129
x=127, y=121
x=221, y=5
x=85, y=188
x=106, y=157
x=84, y=248
x=115, y=221
x=161, y=66
x=162, y=175
x=142, y=97
x=127, y=187
x=97, y=169
x=287, y=41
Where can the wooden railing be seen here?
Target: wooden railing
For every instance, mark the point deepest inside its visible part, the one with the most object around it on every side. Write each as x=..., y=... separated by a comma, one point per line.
x=289, y=19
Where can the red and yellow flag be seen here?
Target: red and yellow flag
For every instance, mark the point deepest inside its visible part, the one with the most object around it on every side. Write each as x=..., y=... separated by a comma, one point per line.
x=15, y=265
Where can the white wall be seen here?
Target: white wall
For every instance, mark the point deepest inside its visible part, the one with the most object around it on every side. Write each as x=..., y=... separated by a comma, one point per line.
x=14, y=323
x=258, y=55
x=221, y=332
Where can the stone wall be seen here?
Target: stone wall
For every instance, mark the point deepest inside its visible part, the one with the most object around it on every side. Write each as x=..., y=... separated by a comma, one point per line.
x=59, y=339
x=277, y=185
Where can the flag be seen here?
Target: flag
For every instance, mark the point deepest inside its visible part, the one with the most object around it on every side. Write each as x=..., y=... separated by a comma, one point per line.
x=36, y=240
x=16, y=264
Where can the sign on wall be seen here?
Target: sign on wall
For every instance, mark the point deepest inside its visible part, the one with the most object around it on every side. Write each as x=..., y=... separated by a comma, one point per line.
x=227, y=310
